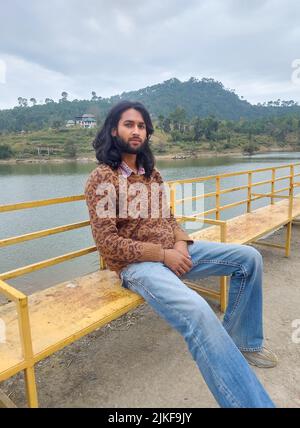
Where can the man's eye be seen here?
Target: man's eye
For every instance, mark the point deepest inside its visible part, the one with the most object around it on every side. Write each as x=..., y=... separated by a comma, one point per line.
x=142, y=126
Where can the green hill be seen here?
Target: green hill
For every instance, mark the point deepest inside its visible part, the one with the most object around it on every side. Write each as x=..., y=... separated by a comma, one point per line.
x=198, y=98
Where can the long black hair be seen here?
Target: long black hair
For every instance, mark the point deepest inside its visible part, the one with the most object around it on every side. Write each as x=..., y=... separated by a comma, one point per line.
x=109, y=153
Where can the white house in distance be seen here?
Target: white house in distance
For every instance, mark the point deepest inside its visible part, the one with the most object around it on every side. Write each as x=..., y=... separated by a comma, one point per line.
x=86, y=121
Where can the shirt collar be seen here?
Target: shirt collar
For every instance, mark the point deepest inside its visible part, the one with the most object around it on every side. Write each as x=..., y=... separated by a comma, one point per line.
x=127, y=171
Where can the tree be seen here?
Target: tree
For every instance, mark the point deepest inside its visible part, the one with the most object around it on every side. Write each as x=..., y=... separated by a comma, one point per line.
x=166, y=125
x=5, y=151
x=64, y=97
x=48, y=101
x=94, y=97
x=251, y=147
x=22, y=102
x=57, y=123
x=198, y=129
x=33, y=101
x=178, y=118
x=161, y=119
x=70, y=149
x=210, y=126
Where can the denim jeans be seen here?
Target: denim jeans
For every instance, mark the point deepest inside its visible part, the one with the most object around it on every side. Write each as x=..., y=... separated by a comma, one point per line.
x=215, y=346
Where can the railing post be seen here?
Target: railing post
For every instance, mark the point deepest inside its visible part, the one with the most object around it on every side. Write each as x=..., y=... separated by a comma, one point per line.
x=218, y=198
x=291, y=192
x=102, y=263
x=249, y=192
x=173, y=199
x=290, y=213
x=273, y=185
x=26, y=343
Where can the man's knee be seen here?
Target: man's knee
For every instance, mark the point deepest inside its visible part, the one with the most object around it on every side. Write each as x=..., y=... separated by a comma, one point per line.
x=251, y=259
x=253, y=254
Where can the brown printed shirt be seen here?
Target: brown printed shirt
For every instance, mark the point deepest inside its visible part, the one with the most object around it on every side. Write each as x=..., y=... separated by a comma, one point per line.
x=124, y=239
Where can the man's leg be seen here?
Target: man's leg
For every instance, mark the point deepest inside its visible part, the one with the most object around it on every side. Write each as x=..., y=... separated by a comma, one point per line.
x=223, y=367
x=243, y=317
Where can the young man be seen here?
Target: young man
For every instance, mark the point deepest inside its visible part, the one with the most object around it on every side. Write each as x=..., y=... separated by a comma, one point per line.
x=152, y=254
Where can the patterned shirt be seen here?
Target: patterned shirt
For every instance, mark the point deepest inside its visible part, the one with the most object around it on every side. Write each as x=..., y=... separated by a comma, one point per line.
x=120, y=240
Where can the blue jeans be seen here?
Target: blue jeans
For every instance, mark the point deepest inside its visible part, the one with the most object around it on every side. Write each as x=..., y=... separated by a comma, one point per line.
x=214, y=346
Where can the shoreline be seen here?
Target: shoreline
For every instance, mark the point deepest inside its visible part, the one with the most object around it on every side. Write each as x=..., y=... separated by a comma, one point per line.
x=181, y=156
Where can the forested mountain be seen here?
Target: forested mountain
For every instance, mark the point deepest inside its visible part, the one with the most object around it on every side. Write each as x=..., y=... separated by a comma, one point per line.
x=196, y=98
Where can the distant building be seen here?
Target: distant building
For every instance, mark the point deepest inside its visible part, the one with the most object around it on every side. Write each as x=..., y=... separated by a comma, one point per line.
x=70, y=123
x=86, y=121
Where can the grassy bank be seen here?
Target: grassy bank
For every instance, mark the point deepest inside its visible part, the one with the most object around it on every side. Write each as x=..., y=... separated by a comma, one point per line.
x=76, y=144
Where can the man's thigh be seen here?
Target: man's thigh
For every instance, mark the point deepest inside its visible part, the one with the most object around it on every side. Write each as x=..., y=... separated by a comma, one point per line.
x=155, y=281
x=218, y=259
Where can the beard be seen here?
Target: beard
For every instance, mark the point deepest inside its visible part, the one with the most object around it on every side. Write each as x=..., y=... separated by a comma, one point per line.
x=126, y=148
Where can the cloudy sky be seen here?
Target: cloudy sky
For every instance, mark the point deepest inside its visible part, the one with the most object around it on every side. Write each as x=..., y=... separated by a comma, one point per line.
x=111, y=46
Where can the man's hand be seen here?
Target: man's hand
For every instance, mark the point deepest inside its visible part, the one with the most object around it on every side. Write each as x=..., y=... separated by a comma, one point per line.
x=178, y=262
x=182, y=247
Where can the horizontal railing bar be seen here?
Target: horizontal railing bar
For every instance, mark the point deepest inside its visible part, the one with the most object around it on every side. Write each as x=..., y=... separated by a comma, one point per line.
x=268, y=244
x=268, y=195
x=282, y=190
x=233, y=189
x=194, y=198
x=213, y=210
x=40, y=203
x=41, y=233
x=286, y=177
x=234, y=204
x=197, y=218
x=259, y=183
x=231, y=174
x=192, y=180
x=45, y=263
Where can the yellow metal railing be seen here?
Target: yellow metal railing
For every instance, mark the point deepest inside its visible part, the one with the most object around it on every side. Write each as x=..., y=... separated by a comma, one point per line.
x=173, y=202
x=251, y=197
x=21, y=299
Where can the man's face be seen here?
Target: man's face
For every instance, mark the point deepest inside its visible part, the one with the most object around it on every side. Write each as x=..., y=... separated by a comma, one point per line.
x=132, y=130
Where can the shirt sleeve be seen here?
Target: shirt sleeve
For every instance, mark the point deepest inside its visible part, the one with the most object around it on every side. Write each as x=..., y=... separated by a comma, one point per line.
x=179, y=233
x=105, y=231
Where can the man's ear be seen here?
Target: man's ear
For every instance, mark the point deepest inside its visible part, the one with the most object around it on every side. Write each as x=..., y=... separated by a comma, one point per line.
x=114, y=132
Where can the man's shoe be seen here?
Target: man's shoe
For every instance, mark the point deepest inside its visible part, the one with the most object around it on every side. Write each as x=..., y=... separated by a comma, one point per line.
x=265, y=358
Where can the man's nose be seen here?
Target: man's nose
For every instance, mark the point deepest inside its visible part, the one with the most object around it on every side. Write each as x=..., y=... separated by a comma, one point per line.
x=136, y=130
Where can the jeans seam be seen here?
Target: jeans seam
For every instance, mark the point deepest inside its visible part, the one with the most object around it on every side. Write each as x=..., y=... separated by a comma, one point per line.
x=222, y=388
x=241, y=288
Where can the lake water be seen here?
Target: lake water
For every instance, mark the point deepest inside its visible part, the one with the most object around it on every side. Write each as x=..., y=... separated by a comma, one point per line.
x=27, y=182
